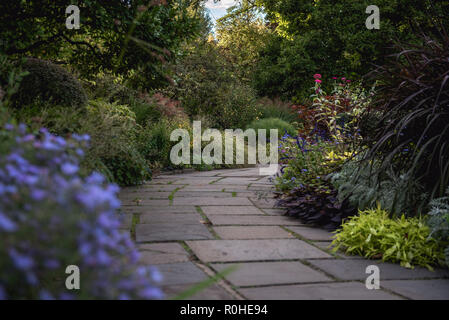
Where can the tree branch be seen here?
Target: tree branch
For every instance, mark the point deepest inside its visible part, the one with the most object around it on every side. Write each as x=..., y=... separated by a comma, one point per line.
x=76, y=43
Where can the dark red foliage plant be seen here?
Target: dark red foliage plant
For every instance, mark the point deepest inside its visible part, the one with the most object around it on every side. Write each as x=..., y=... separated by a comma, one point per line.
x=316, y=205
x=412, y=131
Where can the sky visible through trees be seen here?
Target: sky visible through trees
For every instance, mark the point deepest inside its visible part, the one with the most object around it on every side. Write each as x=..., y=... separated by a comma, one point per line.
x=218, y=10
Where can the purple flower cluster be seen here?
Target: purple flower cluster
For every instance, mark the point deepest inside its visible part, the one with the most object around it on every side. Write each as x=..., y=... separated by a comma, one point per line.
x=51, y=217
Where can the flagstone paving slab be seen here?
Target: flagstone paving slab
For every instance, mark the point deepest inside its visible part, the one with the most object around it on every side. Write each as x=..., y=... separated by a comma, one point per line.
x=144, y=196
x=356, y=270
x=145, y=202
x=254, y=250
x=158, y=210
x=211, y=194
x=267, y=203
x=261, y=187
x=252, y=220
x=252, y=232
x=315, y=234
x=246, y=194
x=236, y=181
x=235, y=188
x=342, y=255
x=141, y=194
x=419, y=289
x=171, y=231
x=265, y=180
x=212, y=173
x=326, y=245
x=275, y=212
x=175, y=176
x=271, y=273
x=322, y=244
x=157, y=181
x=321, y=291
x=253, y=172
x=180, y=218
x=200, y=201
x=162, y=253
x=213, y=292
x=231, y=210
x=180, y=273
x=256, y=184
x=203, y=188
x=196, y=181
x=126, y=220
x=152, y=188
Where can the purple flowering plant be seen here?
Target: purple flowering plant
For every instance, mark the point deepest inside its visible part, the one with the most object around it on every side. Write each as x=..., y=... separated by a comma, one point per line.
x=51, y=217
x=302, y=162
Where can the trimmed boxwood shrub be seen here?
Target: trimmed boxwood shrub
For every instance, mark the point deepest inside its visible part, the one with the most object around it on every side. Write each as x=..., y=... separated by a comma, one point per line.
x=47, y=81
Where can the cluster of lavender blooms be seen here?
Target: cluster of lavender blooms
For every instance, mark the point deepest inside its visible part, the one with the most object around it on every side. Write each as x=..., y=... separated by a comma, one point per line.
x=50, y=218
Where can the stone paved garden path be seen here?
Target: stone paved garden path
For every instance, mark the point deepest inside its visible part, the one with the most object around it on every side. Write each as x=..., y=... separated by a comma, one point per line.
x=195, y=225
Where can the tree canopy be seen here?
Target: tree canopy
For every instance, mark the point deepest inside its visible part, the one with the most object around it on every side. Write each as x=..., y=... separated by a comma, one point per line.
x=330, y=37
x=130, y=38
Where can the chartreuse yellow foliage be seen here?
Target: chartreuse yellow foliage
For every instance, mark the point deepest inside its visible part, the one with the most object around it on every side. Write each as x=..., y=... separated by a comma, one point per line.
x=335, y=157
x=373, y=234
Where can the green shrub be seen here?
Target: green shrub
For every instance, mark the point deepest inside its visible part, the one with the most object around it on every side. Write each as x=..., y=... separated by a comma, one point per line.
x=397, y=193
x=338, y=112
x=439, y=222
x=167, y=107
x=59, y=120
x=303, y=185
x=127, y=166
x=201, y=76
x=146, y=114
x=307, y=163
x=50, y=83
x=276, y=108
x=11, y=74
x=114, y=145
x=110, y=89
x=156, y=147
x=273, y=123
x=154, y=144
x=330, y=36
x=114, y=131
x=206, y=86
x=203, y=166
x=373, y=234
x=236, y=107
x=285, y=66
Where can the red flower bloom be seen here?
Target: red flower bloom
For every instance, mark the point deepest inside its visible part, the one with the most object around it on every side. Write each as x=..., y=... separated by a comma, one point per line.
x=317, y=76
